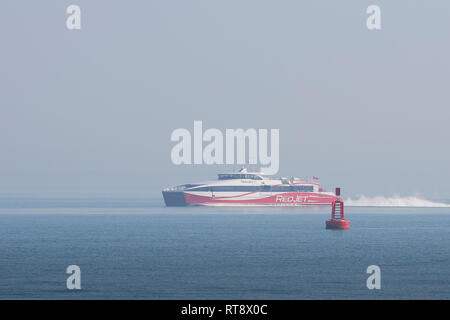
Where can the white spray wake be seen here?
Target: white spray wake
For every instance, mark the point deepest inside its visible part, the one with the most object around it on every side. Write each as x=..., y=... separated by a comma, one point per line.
x=395, y=201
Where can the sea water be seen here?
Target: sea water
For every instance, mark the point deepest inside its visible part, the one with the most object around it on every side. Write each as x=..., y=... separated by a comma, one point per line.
x=139, y=249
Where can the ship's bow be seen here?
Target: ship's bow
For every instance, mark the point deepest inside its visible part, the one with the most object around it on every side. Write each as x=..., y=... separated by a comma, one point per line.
x=174, y=198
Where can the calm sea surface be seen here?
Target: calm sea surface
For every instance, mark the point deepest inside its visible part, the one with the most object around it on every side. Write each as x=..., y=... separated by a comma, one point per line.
x=139, y=249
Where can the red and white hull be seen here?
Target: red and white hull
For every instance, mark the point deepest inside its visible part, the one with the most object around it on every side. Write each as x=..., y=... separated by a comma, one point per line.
x=249, y=189
x=281, y=199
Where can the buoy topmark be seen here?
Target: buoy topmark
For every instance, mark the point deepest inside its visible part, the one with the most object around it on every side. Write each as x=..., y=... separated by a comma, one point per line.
x=337, y=214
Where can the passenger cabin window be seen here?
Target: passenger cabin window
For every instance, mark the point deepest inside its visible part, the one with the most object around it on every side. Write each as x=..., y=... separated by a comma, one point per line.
x=262, y=188
x=293, y=188
x=239, y=176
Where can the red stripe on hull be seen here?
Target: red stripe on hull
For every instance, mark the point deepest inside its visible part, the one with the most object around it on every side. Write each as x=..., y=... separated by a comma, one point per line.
x=295, y=198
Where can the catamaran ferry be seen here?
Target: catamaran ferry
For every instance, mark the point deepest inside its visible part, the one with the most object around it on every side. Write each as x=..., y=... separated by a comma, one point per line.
x=245, y=188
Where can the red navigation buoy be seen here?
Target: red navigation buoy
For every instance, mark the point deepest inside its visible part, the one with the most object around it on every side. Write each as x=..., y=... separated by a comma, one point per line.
x=337, y=214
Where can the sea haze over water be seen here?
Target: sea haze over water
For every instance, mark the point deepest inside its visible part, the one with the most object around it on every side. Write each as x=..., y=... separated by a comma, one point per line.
x=137, y=248
x=78, y=106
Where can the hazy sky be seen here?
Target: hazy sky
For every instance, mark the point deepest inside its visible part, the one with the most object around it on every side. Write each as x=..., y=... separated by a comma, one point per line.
x=90, y=112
